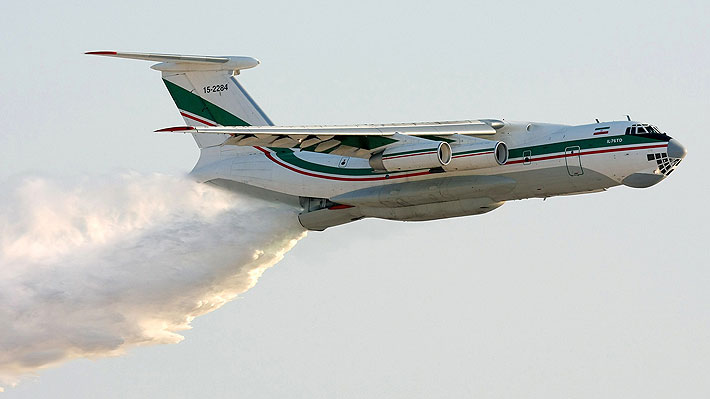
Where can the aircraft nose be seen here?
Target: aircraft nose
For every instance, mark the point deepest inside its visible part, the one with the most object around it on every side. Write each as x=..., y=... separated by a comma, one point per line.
x=676, y=149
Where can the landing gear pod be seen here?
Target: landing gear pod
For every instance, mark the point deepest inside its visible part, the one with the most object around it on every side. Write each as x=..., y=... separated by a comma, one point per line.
x=427, y=155
x=477, y=155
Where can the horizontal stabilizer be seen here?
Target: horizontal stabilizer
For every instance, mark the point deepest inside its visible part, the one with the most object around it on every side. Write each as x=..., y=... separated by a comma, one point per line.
x=178, y=62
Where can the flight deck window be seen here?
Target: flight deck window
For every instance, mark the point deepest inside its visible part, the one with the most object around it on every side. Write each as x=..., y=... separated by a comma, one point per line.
x=643, y=129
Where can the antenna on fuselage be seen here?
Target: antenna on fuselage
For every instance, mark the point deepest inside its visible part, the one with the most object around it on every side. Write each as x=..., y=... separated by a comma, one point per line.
x=628, y=118
x=596, y=119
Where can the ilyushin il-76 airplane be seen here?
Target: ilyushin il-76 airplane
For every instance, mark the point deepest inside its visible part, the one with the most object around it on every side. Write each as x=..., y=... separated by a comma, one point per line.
x=397, y=171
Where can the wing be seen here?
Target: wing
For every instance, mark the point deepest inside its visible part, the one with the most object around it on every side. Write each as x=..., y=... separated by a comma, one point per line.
x=353, y=140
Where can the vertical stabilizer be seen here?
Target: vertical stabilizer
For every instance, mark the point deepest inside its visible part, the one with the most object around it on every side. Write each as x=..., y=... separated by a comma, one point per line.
x=213, y=98
x=205, y=90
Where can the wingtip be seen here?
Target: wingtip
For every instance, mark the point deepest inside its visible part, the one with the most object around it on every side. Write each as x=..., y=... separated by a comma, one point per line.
x=101, y=53
x=176, y=129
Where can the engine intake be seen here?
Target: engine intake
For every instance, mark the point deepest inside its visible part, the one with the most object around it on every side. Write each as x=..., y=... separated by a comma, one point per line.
x=426, y=155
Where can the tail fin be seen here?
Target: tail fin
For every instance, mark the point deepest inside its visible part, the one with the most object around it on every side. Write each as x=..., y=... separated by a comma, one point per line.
x=205, y=90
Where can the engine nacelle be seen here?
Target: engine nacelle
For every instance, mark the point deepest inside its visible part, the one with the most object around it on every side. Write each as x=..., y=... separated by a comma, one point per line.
x=424, y=155
x=477, y=154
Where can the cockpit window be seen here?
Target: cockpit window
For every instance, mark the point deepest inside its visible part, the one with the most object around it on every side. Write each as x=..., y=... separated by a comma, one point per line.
x=644, y=128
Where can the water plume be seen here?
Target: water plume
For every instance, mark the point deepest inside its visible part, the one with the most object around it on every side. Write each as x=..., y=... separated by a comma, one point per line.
x=93, y=267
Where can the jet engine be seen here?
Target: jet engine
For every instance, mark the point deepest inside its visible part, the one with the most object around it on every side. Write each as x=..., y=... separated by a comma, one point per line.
x=477, y=153
x=421, y=155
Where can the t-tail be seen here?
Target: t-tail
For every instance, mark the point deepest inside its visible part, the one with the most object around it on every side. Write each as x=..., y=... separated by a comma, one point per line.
x=205, y=90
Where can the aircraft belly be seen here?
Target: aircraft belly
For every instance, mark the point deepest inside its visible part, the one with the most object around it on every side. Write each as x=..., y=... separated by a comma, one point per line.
x=443, y=189
x=548, y=182
x=551, y=178
x=434, y=211
x=322, y=219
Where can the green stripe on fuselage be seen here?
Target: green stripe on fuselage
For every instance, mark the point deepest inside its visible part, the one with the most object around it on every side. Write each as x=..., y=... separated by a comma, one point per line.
x=583, y=144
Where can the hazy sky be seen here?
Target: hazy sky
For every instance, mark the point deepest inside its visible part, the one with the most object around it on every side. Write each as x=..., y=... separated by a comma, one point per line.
x=602, y=295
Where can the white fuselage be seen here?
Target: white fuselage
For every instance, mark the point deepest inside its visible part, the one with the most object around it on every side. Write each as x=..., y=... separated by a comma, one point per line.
x=310, y=174
x=545, y=160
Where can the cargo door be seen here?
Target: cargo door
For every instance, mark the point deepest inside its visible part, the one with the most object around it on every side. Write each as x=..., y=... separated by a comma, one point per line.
x=574, y=161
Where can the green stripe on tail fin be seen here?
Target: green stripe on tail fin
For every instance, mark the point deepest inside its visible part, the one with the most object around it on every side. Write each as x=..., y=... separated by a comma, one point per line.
x=194, y=104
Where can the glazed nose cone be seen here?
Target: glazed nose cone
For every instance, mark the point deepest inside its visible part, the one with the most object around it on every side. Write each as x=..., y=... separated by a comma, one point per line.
x=676, y=149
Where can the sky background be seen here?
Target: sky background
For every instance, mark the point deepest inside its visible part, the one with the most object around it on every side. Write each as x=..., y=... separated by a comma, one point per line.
x=601, y=295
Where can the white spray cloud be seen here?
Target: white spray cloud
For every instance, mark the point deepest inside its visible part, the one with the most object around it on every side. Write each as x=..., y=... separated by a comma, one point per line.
x=90, y=269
